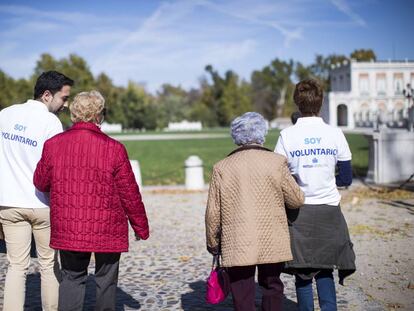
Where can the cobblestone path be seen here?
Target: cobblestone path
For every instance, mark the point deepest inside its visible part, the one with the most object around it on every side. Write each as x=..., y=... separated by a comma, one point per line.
x=168, y=271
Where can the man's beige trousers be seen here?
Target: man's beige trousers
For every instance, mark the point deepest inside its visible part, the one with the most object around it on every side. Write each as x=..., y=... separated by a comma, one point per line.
x=18, y=226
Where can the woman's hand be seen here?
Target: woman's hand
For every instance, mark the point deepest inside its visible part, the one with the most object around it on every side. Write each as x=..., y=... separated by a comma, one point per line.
x=213, y=250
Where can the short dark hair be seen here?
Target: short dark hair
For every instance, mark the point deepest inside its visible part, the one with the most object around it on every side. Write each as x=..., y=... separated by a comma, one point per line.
x=52, y=81
x=308, y=96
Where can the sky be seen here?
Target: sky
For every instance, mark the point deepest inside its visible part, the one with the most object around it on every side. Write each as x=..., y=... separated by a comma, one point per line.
x=155, y=42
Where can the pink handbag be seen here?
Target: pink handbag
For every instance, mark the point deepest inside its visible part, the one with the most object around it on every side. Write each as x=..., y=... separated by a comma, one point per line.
x=218, y=283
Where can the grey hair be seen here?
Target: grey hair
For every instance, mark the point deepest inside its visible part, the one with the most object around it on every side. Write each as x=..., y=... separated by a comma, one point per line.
x=249, y=128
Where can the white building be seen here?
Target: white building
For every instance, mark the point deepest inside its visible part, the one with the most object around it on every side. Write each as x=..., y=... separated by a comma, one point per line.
x=363, y=93
x=184, y=126
x=111, y=128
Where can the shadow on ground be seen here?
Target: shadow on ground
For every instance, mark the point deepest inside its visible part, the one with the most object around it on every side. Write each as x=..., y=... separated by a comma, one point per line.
x=124, y=301
x=400, y=204
x=195, y=300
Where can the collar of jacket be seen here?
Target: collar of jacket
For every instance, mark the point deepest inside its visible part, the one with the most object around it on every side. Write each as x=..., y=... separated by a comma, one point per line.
x=249, y=147
x=85, y=126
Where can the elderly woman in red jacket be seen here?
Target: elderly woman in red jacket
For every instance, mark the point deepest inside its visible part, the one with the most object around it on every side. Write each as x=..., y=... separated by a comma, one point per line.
x=93, y=194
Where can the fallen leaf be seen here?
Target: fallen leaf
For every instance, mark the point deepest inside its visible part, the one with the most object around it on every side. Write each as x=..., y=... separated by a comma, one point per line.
x=185, y=258
x=355, y=201
x=394, y=305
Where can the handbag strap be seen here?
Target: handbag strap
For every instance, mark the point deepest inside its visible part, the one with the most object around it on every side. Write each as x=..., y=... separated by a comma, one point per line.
x=216, y=262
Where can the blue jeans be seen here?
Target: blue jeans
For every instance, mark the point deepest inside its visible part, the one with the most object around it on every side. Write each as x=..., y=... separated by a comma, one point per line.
x=326, y=292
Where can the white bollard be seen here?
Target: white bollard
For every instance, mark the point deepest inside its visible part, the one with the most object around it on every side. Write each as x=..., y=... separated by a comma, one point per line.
x=194, y=179
x=137, y=172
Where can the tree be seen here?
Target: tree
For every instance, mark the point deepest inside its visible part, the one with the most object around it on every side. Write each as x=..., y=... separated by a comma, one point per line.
x=45, y=63
x=235, y=98
x=270, y=88
x=321, y=67
x=7, y=90
x=172, y=104
x=216, y=102
x=303, y=72
x=364, y=55
x=74, y=67
x=136, y=104
x=228, y=96
x=23, y=90
x=215, y=94
x=14, y=91
x=112, y=94
x=202, y=104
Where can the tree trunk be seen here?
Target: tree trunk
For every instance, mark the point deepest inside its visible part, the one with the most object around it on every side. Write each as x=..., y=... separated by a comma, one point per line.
x=281, y=102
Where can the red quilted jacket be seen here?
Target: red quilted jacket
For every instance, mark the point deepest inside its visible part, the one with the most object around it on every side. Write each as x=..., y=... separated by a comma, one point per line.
x=93, y=192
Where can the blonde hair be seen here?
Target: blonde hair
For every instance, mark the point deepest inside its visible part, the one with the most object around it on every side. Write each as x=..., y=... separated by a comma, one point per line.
x=86, y=106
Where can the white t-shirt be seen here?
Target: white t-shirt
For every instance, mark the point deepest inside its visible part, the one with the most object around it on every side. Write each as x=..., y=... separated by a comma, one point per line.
x=24, y=129
x=312, y=149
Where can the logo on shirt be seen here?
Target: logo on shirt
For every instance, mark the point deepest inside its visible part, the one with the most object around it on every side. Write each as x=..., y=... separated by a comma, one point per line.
x=312, y=140
x=313, y=151
x=20, y=139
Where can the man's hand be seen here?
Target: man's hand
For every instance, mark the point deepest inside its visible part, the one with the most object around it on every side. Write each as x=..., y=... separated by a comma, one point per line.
x=137, y=238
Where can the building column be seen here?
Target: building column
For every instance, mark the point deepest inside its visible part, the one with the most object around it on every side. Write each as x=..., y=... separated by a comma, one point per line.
x=351, y=119
x=332, y=110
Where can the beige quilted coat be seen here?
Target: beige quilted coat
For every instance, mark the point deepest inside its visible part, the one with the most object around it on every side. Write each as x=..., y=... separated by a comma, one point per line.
x=246, y=208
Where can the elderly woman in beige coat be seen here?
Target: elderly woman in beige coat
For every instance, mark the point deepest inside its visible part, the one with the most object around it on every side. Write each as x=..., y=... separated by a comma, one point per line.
x=245, y=218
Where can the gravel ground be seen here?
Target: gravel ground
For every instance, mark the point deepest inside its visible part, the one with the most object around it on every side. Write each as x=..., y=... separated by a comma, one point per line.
x=168, y=271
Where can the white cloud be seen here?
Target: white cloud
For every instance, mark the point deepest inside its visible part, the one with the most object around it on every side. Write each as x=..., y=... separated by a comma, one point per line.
x=19, y=67
x=29, y=28
x=221, y=54
x=344, y=7
x=172, y=44
x=177, y=66
x=152, y=29
x=256, y=14
x=30, y=13
x=157, y=45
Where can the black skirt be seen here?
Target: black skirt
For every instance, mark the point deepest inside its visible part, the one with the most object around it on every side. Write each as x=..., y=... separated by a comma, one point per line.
x=319, y=240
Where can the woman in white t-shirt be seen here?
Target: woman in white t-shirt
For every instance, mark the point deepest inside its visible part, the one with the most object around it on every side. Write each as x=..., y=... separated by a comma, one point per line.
x=319, y=233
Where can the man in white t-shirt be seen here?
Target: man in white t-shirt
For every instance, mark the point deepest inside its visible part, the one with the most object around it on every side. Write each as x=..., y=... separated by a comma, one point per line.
x=24, y=210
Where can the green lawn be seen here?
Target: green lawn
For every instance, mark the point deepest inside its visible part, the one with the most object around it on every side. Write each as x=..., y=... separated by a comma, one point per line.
x=360, y=149
x=159, y=132
x=162, y=161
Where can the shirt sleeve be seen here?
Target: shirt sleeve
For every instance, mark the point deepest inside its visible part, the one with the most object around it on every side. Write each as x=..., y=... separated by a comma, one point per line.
x=344, y=176
x=130, y=196
x=280, y=147
x=344, y=153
